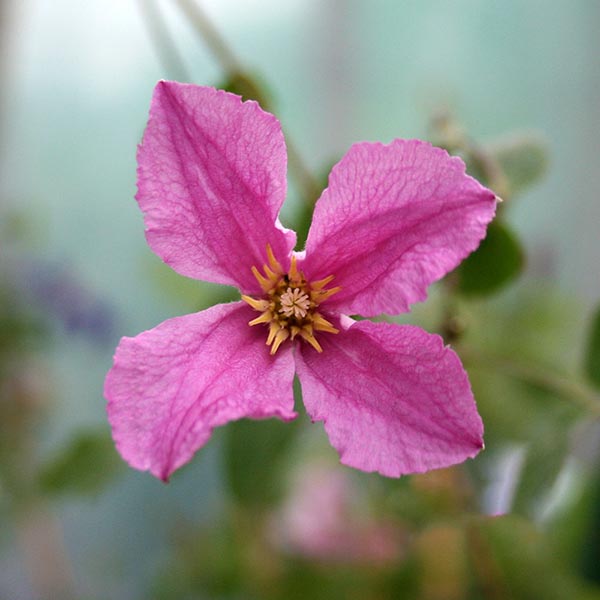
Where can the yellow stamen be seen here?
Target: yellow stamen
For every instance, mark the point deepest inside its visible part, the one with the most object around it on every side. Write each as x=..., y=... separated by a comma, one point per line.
x=266, y=317
x=310, y=338
x=256, y=304
x=274, y=327
x=293, y=269
x=275, y=264
x=264, y=283
x=272, y=275
x=321, y=324
x=321, y=295
x=321, y=283
x=289, y=304
x=280, y=337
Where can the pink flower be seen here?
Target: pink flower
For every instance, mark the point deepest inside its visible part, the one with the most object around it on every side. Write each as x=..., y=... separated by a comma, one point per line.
x=394, y=219
x=326, y=518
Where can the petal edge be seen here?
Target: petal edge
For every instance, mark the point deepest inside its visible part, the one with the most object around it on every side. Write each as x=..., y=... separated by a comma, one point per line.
x=393, y=399
x=172, y=385
x=395, y=218
x=211, y=182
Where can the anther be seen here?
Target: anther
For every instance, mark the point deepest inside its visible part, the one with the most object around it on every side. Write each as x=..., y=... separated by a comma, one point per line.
x=290, y=302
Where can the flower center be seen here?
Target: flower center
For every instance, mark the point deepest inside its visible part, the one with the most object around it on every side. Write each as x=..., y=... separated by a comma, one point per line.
x=289, y=305
x=294, y=303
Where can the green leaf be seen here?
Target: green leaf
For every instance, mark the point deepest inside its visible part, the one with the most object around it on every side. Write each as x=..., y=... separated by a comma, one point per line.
x=575, y=530
x=515, y=559
x=255, y=455
x=87, y=464
x=254, y=459
x=305, y=215
x=498, y=260
x=249, y=87
x=546, y=454
x=206, y=563
x=189, y=294
x=592, y=356
x=523, y=159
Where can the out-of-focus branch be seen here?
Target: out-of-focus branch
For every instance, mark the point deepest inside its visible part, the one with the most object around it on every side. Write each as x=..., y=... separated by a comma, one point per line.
x=210, y=36
x=233, y=69
x=165, y=48
x=487, y=570
x=452, y=136
x=567, y=387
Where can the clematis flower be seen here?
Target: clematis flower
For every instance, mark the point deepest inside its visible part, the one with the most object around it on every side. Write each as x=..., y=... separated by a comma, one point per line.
x=393, y=219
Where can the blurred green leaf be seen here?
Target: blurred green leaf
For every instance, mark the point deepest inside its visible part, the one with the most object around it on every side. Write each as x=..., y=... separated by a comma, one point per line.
x=255, y=457
x=190, y=294
x=590, y=547
x=204, y=562
x=576, y=531
x=514, y=559
x=546, y=455
x=302, y=224
x=304, y=218
x=498, y=260
x=474, y=167
x=521, y=352
x=592, y=356
x=249, y=87
x=20, y=328
x=85, y=466
x=523, y=159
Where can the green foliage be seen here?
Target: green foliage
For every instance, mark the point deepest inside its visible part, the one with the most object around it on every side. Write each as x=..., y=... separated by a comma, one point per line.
x=576, y=531
x=519, y=352
x=20, y=329
x=304, y=218
x=498, y=261
x=255, y=459
x=592, y=355
x=547, y=447
x=248, y=87
x=508, y=166
x=523, y=159
x=517, y=560
x=191, y=294
x=204, y=562
x=85, y=466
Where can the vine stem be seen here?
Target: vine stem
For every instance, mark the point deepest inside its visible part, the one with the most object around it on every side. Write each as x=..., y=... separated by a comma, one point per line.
x=163, y=42
x=232, y=67
x=490, y=577
x=567, y=387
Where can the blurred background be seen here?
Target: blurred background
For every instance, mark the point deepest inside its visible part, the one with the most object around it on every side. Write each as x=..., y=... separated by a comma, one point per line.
x=265, y=510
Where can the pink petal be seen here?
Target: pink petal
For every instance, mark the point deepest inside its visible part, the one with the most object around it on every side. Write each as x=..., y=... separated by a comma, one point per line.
x=394, y=219
x=211, y=181
x=171, y=385
x=393, y=398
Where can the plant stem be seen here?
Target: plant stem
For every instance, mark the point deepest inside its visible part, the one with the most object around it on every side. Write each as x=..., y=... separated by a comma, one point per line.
x=167, y=52
x=232, y=67
x=488, y=572
x=563, y=385
x=210, y=36
x=490, y=167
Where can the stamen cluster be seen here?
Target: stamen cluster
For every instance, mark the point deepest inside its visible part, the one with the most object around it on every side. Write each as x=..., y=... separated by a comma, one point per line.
x=289, y=306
